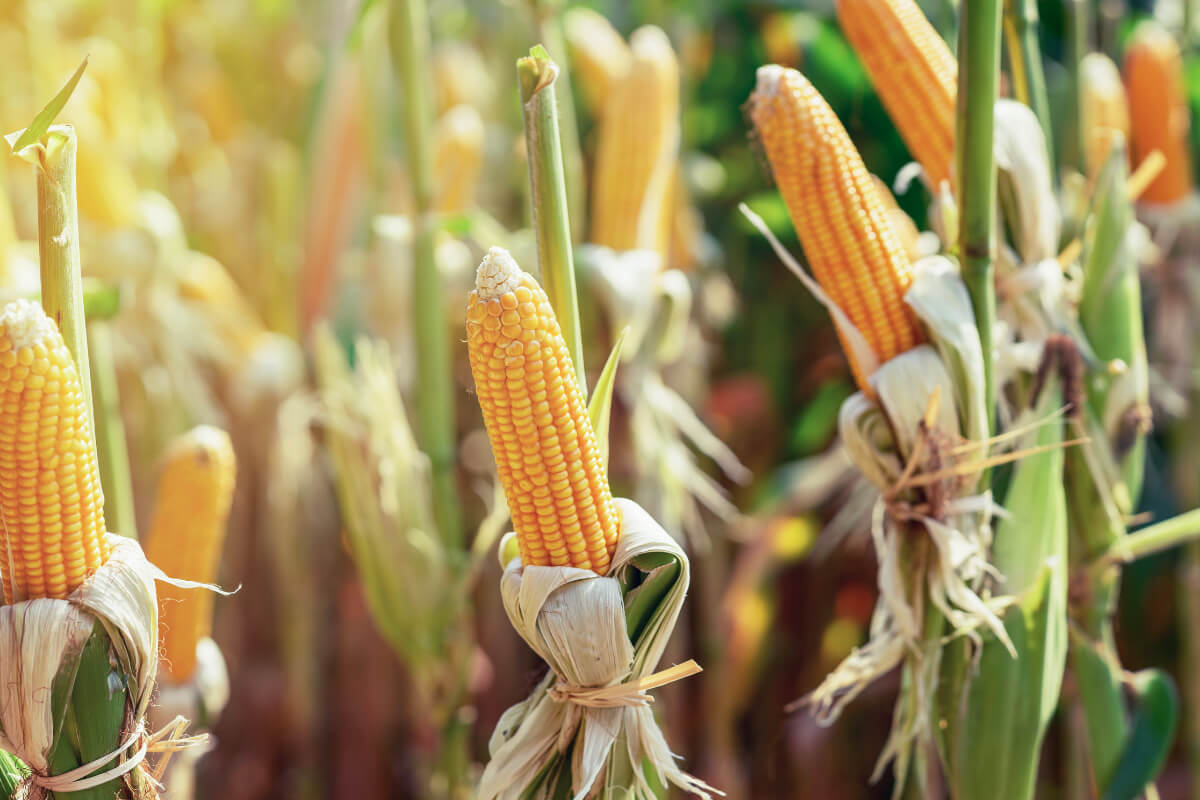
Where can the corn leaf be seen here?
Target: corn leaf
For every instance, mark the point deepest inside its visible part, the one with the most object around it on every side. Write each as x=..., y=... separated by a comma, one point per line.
x=600, y=404
x=1098, y=678
x=45, y=118
x=1155, y=718
x=12, y=772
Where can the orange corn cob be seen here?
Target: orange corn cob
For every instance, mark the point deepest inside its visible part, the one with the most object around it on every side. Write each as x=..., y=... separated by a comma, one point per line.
x=638, y=148
x=195, y=491
x=1158, y=110
x=545, y=448
x=1105, y=109
x=902, y=224
x=914, y=73
x=51, y=504
x=840, y=218
x=599, y=56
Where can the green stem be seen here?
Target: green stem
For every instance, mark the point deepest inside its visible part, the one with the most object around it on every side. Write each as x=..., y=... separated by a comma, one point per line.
x=978, y=86
x=58, y=246
x=1025, y=63
x=1077, y=45
x=550, y=29
x=536, y=74
x=110, y=435
x=1152, y=539
x=435, y=381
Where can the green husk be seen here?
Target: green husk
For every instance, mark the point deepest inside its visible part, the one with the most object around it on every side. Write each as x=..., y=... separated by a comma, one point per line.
x=1025, y=62
x=1110, y=312
x=999, y=717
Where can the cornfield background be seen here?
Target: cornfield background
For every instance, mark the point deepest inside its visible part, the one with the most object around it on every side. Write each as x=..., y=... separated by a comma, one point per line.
x=249, y=197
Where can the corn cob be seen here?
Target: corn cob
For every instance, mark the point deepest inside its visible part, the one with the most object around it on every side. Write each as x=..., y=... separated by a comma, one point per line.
x=1158, y=110
x=838, y=214
x=545, y=448
x=50, y=499
x=902, y=224
x=599, y=56
x=637, y=150
x=914, y=73
x=195, y=491
x=1105, y=109
x=457, y=159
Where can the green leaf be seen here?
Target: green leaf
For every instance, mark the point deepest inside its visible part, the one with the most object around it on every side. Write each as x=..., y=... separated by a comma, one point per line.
x=600, y=405
x=1098, y=678
x=42, y=122
x=1155, y=719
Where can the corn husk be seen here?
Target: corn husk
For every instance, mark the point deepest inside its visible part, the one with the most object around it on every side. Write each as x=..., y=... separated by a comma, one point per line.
x=61, y=658
x=593, y=631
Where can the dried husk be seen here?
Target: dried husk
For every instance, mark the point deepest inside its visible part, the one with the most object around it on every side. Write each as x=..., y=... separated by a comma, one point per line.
x=42, y=640
x=580, y=623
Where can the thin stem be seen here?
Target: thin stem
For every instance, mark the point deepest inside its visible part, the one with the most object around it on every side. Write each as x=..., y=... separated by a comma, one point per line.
x=536, y=74
x=111, y=447
x=435, y=381
x=1154, y=538
x=549, y=14
x=978, y=86
x=58, y=245
x=1025, y=62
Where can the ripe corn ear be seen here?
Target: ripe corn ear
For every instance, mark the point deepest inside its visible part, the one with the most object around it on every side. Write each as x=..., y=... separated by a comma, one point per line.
x=1158, y=110
x=1105, y=109
x=637, y=150
x=914, y=73
x=50, y=499
x=599, y=55
x=546, y=451
x=902, y=224
x=195, y=491
x=836, y=209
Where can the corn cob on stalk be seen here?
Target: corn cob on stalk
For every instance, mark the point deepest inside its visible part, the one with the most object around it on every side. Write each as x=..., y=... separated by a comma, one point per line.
x=195, y=491
x=902, y=223
x=1158, y=110
x=637, y=150
x=838, y=213
x=546, y=450
x=914, y=72
x=599, y=55
x=1105, y=109
x=50, y=496
x=458, y=158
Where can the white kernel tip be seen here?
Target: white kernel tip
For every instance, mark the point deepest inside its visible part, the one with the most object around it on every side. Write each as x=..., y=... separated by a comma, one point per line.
x=498, y=274
x=25, y=323
x=769, y=80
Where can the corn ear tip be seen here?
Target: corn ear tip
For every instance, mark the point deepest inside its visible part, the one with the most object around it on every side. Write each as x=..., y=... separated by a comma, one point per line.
x=498, y=274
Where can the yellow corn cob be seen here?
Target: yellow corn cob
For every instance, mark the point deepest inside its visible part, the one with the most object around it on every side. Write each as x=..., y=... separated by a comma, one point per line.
x=1105, y=109
x=914, y=73
x=195, y=491
x=841, y=220
x=51, y=505
x=902, y=224
x=545, y=448
x=637, y=150
x=458, y=158
x=599, y=56
x=1158, y=110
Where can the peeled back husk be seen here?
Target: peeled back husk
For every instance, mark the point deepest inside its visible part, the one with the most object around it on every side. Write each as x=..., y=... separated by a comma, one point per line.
x=592, y=631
